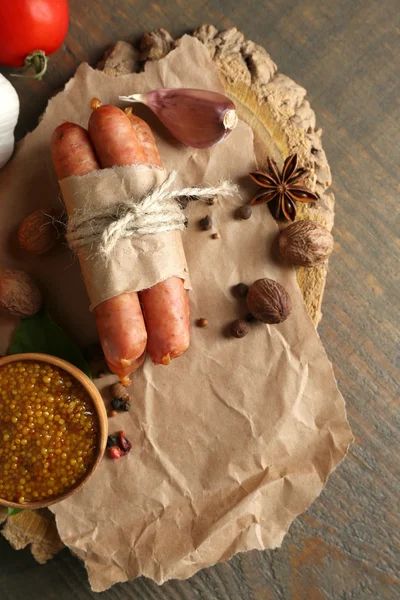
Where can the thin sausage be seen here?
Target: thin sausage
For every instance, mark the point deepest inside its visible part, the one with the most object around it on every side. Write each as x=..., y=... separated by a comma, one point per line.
x=166, y=312
x=166, y=305
x=145, y=137
x=113, y=138
x=119, y=320
x=115, y=144
x=72, y=151
x=122, y=334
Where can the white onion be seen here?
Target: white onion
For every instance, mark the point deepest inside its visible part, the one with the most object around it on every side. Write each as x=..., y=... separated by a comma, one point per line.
x=9, y=111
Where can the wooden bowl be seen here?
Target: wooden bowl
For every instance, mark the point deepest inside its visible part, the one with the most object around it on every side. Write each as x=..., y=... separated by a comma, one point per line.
x=99, y=410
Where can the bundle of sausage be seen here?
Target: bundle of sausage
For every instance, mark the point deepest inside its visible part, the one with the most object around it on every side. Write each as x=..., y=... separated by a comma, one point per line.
x=156, y=318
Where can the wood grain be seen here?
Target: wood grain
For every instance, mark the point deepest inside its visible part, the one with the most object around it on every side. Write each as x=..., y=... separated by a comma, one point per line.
x=347, y=56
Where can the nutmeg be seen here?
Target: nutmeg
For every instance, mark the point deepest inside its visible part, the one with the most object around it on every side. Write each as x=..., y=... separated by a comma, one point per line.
x=268, y=301
x=305, y=243
x=38, y=232
x=19, y=293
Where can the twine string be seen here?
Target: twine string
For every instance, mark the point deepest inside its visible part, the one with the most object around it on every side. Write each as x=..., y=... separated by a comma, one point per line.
x=157, y=212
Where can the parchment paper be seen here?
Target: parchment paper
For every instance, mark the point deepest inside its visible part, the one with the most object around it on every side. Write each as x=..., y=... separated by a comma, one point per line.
x=236, y=437
x=160, y=256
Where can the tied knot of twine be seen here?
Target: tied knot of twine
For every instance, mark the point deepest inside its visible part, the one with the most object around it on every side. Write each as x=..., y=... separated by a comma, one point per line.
x=156, y=212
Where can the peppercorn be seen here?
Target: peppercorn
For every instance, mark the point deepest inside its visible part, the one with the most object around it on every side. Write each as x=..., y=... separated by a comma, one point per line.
x=216, y=236
x=239, y=328
x=250, y=318
x=183, y=202
x=125, y=405
x=115, y=452
x=116, y=403
x=206, y=223
x=119, y=391
x=244, y=212
x=119, y=445
x=113, y=413
x=112, y=440
x=240, y=290
x=124, y=443
x=202, y=322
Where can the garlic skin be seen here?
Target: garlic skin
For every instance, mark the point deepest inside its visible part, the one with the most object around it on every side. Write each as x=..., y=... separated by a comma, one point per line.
x=9, y=111
x=197, y=118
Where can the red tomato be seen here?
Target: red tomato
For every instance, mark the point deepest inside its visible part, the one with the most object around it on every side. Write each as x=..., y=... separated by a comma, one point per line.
x=28, y=25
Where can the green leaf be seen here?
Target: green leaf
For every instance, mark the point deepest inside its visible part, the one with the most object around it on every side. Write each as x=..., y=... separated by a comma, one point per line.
x=41, y=334
x=14, y=511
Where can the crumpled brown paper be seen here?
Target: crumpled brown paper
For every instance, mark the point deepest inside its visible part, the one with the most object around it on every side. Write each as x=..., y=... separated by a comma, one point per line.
x=236, y=437
x=160, y=256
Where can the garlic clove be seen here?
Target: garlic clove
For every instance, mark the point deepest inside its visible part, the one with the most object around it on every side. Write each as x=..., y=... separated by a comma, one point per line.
x=197, y=118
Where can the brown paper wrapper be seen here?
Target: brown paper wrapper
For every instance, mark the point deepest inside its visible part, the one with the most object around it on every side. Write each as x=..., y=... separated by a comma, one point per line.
x=236, y=437
x=136, y=263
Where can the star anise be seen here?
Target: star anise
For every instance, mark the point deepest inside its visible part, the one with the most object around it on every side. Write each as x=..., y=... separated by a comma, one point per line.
x=282, y=190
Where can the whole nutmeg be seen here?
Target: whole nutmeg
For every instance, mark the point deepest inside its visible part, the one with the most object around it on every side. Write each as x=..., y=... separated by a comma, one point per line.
x=19, y=293
x=239, y=328
x=38, y=232
x=268, y=301
x=305, y=243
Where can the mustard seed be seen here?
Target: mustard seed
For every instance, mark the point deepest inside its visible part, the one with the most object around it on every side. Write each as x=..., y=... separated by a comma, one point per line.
x=44, y=450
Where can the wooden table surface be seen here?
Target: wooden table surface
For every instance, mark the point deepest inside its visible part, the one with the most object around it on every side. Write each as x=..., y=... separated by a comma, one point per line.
x=346, y=54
